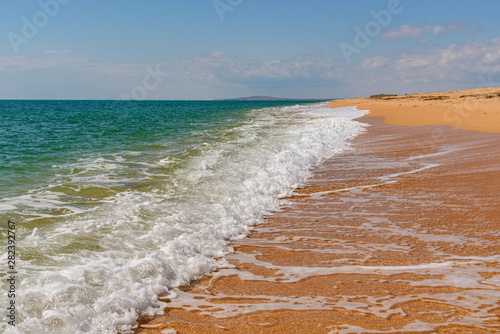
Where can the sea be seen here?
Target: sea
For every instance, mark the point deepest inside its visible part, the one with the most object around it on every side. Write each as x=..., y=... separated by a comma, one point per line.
x=105, y=206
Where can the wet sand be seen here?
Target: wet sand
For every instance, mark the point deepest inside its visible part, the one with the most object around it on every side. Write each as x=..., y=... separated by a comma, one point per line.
x=398, y=235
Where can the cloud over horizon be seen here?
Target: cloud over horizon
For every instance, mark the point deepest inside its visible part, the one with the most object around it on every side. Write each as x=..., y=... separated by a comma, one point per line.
x=217, y=75
x=303, y=67
x=101, y=50
x=409, y=31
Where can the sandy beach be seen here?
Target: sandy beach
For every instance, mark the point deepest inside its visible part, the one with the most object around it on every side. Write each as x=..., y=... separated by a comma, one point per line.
x=472, y=109
x=398, y=235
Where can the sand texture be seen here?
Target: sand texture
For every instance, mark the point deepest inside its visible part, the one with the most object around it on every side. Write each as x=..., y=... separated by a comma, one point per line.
x=473, y=109
x=398, y=235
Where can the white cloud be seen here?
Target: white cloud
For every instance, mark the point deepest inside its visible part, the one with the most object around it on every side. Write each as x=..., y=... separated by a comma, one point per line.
x=49, y=52
x=217, y=75
x=373, y=63
x=66, y=77
x=452, y=67
x=480, y=30
x=77, y=67
x=19, y=63
x=408, y=31
x=449, y=68
x=469, y=58
x=209, y=75
x=303, y=67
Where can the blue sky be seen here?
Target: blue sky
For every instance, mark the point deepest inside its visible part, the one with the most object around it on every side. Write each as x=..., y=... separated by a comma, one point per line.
x=206, y=49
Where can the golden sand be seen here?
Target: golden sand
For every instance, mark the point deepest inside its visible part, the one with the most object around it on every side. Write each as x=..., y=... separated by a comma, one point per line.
x=399, y=235
x=473, y=109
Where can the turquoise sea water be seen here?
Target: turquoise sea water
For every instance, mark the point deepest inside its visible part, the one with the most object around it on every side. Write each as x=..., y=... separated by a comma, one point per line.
x=106, y=146
x=115, y=202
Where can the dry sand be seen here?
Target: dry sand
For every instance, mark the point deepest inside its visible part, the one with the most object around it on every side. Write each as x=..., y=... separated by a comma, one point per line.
x=472, y=109
x=399, y=235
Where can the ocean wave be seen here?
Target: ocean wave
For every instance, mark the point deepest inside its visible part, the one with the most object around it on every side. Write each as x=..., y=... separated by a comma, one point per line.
x=162, y=221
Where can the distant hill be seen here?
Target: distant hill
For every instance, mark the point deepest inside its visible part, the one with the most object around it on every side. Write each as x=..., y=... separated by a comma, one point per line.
x=269, y=98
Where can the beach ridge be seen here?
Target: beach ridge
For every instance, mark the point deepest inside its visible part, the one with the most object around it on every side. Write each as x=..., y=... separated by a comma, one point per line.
x=471, y=109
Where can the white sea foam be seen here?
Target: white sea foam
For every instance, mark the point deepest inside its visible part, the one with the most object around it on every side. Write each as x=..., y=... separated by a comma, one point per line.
x=96, y=271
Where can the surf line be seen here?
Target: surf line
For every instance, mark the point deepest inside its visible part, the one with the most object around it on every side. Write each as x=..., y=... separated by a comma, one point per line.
x=388, y=180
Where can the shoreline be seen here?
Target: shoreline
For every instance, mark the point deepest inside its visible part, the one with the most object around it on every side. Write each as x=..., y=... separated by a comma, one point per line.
x=382, y=237
x=471, y=109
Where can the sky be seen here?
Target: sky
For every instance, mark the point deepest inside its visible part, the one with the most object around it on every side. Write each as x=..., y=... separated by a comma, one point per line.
x=213, y=49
